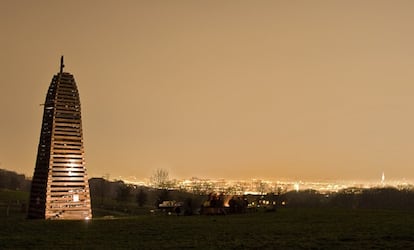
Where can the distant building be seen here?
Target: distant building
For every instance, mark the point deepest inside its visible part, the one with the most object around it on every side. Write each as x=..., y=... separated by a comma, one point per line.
x=60, y=188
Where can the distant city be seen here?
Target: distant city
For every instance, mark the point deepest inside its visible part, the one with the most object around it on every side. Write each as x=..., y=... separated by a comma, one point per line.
x=259, y=186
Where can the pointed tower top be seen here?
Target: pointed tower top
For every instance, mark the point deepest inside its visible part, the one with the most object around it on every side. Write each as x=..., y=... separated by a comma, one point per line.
x=61, y=64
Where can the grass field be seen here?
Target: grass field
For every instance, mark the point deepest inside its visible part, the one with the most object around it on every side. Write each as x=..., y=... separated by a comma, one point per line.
x=283, y=229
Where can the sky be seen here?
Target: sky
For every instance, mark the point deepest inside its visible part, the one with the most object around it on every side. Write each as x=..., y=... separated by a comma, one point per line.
x=300, y=90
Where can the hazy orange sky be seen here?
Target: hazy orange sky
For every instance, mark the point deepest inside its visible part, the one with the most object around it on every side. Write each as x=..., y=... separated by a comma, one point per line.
x=304, y=90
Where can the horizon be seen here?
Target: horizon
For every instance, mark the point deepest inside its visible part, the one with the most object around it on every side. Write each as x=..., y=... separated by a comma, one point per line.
x=223, y=89
x=147, y=180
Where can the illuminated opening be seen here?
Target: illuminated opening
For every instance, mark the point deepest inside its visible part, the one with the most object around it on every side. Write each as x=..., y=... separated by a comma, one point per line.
x=75, y=197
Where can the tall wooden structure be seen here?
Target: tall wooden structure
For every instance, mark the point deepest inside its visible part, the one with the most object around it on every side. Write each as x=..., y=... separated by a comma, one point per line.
x=60, y=188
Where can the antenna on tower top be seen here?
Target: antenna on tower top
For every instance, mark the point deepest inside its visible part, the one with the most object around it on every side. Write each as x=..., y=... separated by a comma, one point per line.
x=61, y=64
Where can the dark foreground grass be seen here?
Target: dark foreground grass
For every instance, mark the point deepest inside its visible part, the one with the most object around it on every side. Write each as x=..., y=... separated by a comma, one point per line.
x=284, y=229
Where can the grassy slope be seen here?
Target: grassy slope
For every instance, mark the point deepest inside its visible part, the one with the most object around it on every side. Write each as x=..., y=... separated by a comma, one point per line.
x=285, y=229
x=7, y=195
x=12, y=202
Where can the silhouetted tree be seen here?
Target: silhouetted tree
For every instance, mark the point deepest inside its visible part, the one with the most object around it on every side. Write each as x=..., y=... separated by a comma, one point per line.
x=141, y=197
x=160, y=178
x=261, y=187
x=123, y=193
x=305, y=198
x=14, y=181
x=99, y=188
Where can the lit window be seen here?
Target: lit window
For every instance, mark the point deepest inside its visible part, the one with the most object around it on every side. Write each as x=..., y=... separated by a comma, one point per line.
x=75, y=197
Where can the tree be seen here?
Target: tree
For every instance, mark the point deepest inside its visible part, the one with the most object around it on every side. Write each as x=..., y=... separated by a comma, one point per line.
x=141, y=197
x=100, y=189
x=12, y=180
x=160, y=178
x=123, y=192
x=261, y=187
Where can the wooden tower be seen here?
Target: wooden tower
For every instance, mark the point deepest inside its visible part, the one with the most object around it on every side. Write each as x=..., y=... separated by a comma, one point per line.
x=60, y=188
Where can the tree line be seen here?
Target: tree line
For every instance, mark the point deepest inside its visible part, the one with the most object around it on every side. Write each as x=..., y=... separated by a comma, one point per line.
x=353, y=198
x=122, y=196
x=14, y=181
